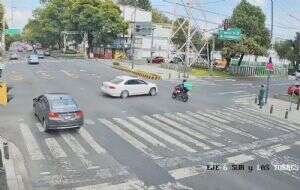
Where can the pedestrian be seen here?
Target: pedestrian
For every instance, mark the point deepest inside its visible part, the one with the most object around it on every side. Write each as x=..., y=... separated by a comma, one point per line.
x=261, y=96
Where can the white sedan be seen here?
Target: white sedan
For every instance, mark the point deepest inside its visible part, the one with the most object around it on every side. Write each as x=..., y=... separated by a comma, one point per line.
x=124, y=86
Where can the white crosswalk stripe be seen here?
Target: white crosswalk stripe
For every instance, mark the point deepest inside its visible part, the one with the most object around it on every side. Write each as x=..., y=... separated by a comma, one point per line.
x=32, y=146
x=55, y=148
x=187, y=130
x=161, y=134
x=239, y=159
x=175, y=132
x=181, y=173
x=139, y=132
x=133, y=141
x=213, y=117
x=186, y=117
x=90, y=140
x=128, y=185
x=231, y=129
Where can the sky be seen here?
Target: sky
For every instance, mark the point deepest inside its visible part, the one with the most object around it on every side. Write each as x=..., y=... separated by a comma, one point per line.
x=286, y=13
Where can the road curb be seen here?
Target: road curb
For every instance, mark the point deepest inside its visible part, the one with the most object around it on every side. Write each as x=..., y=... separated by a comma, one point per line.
x=16, y=173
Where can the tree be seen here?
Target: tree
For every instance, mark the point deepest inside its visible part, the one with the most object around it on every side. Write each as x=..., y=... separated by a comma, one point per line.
x=255, y=36
x=290, y=50
x=143, y=4
x=100, y=20
x=158, y=17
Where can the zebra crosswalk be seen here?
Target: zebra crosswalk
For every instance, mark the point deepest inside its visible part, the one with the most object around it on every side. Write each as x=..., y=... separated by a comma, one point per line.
x=158, y=137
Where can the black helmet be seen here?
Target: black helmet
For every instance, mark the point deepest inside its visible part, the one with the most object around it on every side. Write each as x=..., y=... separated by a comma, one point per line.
x=184, y=80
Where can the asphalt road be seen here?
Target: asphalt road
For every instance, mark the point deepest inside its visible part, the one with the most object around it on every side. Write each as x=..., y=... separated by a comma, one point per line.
x=148, y=142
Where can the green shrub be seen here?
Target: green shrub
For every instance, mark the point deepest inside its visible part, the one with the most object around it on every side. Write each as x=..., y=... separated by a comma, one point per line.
x=116, y=63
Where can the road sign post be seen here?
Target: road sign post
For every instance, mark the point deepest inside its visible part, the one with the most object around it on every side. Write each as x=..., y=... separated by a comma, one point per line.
x=270, y=68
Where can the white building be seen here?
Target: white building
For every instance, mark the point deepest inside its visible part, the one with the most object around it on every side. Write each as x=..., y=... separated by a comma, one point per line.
x=143, y=42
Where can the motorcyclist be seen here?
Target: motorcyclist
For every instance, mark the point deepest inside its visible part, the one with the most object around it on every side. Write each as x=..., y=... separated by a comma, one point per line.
x=182, y=88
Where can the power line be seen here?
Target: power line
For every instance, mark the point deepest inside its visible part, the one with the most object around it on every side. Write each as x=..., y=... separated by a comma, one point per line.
x=195, y=8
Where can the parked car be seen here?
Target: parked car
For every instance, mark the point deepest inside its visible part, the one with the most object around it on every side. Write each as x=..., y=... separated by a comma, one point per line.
x=40, y=54
x=156, y=60
x=124, y=86
x=58, y=111
x=176, y=60
x=46, y=53
x=13, y=56
x=33, y=59
x=294, y=90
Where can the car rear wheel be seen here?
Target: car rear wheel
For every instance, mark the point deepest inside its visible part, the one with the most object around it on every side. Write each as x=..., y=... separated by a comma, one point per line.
x=45, y=127
x=152, y=92
x=124, y=94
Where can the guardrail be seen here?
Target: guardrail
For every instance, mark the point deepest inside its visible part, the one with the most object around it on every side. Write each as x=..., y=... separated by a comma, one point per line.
x=256, y=71
x=147, y=75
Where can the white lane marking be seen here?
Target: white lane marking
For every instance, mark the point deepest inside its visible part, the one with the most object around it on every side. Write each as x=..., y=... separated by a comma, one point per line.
x=131, y=140
x=172, y=186
x=90, y=140
x=297, y=143
x=232, y=92
x=221, y=115
x=234, y=130
x=242, y=84
x=187, y=117
x=128, y=185
x=139, y=132
x=213, y=117
x=190, y=131
x=33, y=148
x=260, y=119
x=161, y=134
x=69, y=74
x=268, y=152
x=201, y=118
x=239, y=159
x=40, y=127
x=55, y=148
x=186, y=172
x=89, y=122
x=175, y=132
x=78, y=150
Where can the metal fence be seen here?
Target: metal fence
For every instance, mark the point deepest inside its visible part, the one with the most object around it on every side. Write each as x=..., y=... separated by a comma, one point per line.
x=3, y=182
x=256, y=71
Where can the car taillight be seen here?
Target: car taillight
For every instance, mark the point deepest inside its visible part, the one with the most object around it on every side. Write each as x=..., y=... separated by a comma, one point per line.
x=54, y=116
x=112, y=87
x=79, y=114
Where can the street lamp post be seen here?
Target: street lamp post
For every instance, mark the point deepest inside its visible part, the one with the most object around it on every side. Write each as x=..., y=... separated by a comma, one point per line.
x=270, y=61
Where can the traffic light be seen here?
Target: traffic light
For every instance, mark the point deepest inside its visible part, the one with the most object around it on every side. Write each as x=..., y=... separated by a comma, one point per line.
x=5, y=97
x=226, y=24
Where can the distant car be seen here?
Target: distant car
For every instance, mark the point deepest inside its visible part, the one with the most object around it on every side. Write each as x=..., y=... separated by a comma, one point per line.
x=124, y=86
x=294, y=90
x=156, y=60
x=176, y=60
x=33, y=59
x=13, y=56
x=46, y=53
x=57, y=111
x=40, y=54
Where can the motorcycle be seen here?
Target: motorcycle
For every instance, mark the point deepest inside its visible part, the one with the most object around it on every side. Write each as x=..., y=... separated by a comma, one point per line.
x=179, y=95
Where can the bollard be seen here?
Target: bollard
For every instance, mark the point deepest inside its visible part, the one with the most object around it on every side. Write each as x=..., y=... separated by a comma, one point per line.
x=6, y=151
x=169, y=76
x=271, y=109
x=286, y=115
x=255, y=101
x=298, y=103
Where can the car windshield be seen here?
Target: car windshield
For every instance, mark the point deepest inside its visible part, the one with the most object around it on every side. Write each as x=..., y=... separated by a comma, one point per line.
x=116, y=80
x=63, y=104
x=33, y=57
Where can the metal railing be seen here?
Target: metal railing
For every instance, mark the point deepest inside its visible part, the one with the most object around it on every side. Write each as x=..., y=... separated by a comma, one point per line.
x=256, y=71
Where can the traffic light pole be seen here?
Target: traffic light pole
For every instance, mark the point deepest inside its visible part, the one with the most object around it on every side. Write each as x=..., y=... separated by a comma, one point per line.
x=3, y=29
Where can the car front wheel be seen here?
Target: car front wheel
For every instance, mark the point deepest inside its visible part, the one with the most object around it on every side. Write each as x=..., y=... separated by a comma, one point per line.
x=152, y=92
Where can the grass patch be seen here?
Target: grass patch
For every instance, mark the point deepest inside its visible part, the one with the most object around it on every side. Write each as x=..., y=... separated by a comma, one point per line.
x=208, y=73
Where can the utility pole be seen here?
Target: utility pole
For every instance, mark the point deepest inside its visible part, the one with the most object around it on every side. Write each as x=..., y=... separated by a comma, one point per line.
x=133, y=35
x=269, y=72
x=152, y=42
x=188, y=42
x=3, y=29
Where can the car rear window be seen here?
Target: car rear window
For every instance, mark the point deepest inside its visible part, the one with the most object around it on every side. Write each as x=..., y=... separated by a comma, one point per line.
x=116, y=80
x=63, y=104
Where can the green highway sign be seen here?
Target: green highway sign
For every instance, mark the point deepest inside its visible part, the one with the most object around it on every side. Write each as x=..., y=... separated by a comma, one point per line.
x=230, y=34
x=13, y=31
